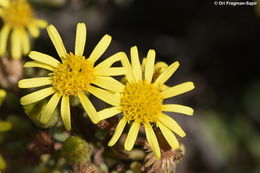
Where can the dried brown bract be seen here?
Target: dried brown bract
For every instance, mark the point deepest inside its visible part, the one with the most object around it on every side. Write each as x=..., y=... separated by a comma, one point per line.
x=84, y=168
x=11, y=71
x=166, y=164
x=42, y=144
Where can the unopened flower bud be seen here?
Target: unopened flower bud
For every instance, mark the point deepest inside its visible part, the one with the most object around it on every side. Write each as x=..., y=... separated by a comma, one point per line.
x=34, y=112
x=136, y=154
x=76, y=150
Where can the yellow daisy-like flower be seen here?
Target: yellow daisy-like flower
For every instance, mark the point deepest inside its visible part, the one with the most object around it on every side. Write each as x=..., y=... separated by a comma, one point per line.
x=19, y=18
x=141, y=103
x=73, y=76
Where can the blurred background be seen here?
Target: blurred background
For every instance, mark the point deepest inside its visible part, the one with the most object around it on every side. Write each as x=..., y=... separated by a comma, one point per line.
x=217, y=47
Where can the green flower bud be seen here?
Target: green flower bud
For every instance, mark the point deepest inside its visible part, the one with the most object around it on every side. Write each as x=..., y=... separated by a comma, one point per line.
x=74, y=101
x=34, y=112
x=76, y=150
x=136, y=167
x=136, y=154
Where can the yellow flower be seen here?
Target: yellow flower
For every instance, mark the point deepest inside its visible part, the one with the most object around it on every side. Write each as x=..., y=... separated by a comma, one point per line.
x=141, y=103
x=18, y=17
x=159, y=68
x=73, y=76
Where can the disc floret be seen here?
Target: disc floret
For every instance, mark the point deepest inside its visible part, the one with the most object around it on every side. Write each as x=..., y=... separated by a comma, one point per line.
x=73, y=75
x=141, y=102
x=18, y=14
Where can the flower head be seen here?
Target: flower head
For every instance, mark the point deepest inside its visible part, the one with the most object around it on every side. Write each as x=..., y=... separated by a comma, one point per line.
x=73, y=76
x=76, y=150
x=141, y=103
x=167, y=163
x=18, y=17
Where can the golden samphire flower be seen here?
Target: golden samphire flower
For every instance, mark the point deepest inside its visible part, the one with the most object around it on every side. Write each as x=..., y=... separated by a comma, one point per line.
x=141, y=103
x=18, y=17
x=73, y=76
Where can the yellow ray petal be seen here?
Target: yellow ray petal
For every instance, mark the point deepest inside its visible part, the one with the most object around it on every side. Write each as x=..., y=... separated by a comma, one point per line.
x=25, y=42
x=136, y=66
x=34, y=30
x=44, y=58
x=38, y=64
x=37, y=96
x=167, y=73
x=152, y=140
x=81, y=34
x=89, y=108
x=129, y=72
x=169, y=136
x=178, y=109
x=4, y=33
x=149, y=66
x=143, y=64
x=65, y=112
x=57, y=41
x=104, y=95
x=177, y=90
x=110, y=61
x=108, y=83
x=5, y=126
x=100, y=48
x=34, y=82
x=108, y=112
x=50, y=107
x=40, y=23
x=171, y=124
x=112, y=71
x=119, y=129
x=132, y=135
x=16, y=44
x=160, y=66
